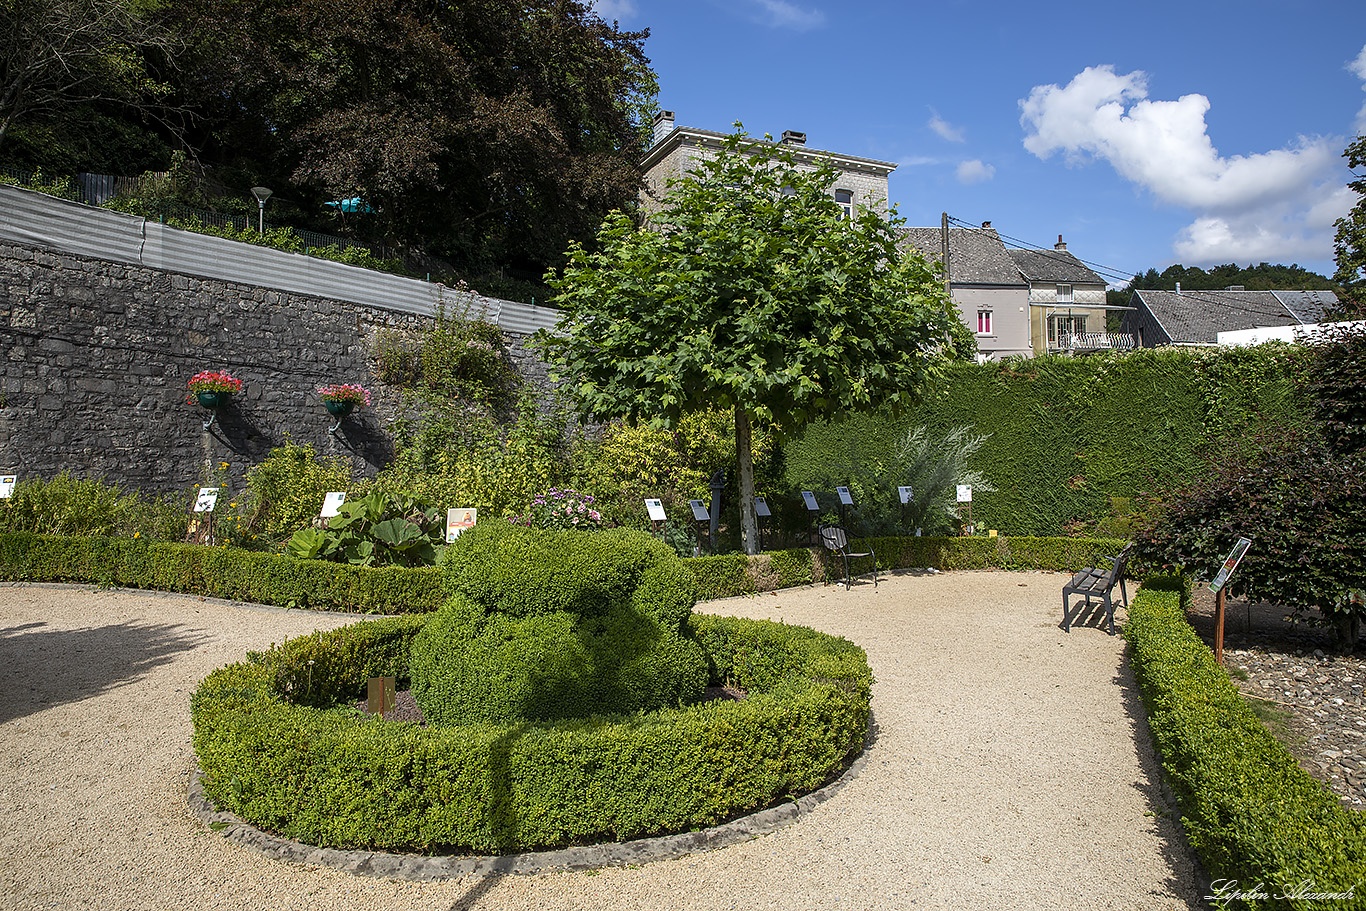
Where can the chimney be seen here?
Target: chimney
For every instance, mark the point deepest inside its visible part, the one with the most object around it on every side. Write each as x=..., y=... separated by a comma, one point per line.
x=1178, y=287
x=793, y=138
x=1060, y=246
x=664, y=125
x=986, y=225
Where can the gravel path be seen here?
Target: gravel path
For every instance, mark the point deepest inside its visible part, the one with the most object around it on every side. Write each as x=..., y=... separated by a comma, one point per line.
x=1011, y=769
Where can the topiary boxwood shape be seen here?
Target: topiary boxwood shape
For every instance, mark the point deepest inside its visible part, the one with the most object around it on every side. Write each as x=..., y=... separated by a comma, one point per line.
x=319, y=773
x=549, y=624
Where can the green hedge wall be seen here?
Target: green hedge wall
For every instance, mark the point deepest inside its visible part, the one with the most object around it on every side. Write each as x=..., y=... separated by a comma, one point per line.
x=220, y=572
x=1068, y=434
x=322, y=775
x=1251, y=813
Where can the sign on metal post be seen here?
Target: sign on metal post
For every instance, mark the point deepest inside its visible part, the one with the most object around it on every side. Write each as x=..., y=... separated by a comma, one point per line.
x=1235, y=557
x=964, y=493
x=332, y=504
x=656, y=510
x=845, y=498
x=810, y=499
x=206, y=499
x=761, y=509
x=907, y=495
x=699, y=511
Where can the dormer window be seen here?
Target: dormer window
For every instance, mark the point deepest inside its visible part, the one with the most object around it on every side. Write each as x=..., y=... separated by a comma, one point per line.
x=845, y=200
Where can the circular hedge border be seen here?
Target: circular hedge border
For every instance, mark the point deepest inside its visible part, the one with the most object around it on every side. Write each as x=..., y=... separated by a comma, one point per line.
x=280, y=747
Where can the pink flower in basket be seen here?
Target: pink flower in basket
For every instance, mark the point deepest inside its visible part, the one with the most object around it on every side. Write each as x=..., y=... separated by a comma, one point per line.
x=345, y=393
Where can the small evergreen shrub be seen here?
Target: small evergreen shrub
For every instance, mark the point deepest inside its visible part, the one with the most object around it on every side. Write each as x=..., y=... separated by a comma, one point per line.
x=548, y=624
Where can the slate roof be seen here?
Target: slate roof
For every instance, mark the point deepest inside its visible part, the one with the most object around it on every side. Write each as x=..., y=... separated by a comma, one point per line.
x=1053, y=266
x=1197, y=317
x=976, y=255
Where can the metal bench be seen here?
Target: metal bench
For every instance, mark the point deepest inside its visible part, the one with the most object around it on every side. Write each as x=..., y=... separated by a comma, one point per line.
x=1093, y=582
x=835, y=541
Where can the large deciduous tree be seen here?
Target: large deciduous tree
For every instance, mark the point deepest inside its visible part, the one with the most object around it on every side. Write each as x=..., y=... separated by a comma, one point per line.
x=491, y=132
x=1349, y=244
x=748, y=291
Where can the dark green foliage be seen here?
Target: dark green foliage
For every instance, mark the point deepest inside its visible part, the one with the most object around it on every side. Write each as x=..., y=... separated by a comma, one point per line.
x=1067, y=436
x=1251, y=813
x=1261, y=277
x=378, y=529
x=324, y=776
x=78, y=507
x=1349, y=243
x=219, y=572
x=550, y=624
x=1334, y=380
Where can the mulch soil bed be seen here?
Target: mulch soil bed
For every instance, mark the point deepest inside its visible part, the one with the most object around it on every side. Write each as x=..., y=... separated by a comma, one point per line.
x=1293, y=668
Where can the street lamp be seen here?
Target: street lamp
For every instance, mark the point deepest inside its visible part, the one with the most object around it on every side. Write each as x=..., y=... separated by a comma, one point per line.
x=261, y=194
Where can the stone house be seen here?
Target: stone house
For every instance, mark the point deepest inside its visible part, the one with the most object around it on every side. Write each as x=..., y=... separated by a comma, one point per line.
x=861, y=181
x=1067, y=307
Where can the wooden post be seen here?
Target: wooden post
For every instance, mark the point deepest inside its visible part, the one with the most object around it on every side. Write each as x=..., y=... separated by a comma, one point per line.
x=1219, y=627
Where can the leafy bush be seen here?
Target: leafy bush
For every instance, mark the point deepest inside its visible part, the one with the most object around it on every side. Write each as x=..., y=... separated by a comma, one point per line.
x=378, y=529
x=317, y=773
x=557, y=624
x=287, y=489
x=77, y=507
x=1248, y=809
x=557, y=508
x=219, y=572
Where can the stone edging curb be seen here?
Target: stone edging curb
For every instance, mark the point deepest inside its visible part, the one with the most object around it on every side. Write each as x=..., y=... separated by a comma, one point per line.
x=419, y=867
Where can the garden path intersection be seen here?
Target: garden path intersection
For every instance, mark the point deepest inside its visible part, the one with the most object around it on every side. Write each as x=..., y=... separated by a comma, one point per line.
x=1011, y=768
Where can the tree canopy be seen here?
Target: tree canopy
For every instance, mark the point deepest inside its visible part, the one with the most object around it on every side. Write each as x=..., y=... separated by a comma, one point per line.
x=748, y=291
x=1349, y=244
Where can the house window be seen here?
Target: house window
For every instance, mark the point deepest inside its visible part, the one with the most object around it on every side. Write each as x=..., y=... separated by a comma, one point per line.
x=984, y=322
x=845, y=200
x=1062, y=328
x=1064, y=294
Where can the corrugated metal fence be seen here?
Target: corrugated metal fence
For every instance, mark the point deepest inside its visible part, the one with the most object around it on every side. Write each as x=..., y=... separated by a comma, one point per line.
x=33, y=219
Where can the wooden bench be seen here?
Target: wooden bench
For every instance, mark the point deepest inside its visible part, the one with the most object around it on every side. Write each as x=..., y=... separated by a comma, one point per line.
x=1093, y=582
x=835, y=541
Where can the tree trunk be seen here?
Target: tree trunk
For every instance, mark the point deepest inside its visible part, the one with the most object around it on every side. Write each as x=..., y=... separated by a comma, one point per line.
x=749, y=528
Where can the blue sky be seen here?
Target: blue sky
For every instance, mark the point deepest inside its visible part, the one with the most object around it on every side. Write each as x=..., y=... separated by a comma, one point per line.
x=1146, y=134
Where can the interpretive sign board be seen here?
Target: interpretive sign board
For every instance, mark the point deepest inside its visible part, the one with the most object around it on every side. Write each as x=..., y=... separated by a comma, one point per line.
x=964, y=493
x=656, y=510
x=810, y=499
x=7, y=486
x=699, y=511
x=459, y=520
x=208, y=496
x=907, y=495
x=761, y=508
x=1234, y=558
x=332, y=504
x=845, y=498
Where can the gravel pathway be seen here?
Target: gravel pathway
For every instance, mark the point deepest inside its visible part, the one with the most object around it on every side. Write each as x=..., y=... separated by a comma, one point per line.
x=1011, y=769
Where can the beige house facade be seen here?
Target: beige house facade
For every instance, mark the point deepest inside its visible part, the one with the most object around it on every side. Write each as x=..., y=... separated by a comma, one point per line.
x=676, y=150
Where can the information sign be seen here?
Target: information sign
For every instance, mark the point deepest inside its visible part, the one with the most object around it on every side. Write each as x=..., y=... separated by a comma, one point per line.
x=1234, y=558
x=208, y=496
x=906, y=494
x=810, y=499
x=458, y=520
x=844, y=496
x=964, y=493
x=7, y=486
x=332, y=504
x=699, y=511
x=761, y=508
x=656, y=510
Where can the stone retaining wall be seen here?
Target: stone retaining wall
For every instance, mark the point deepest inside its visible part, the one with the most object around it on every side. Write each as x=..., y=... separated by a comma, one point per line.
x=96, y=356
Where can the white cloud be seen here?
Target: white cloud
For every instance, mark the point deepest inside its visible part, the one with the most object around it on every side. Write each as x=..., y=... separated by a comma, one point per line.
x=610, y=10
x=975, y=172
x=1272, y=205
x=1357, y=68
x=944, y=128
x=781, y=14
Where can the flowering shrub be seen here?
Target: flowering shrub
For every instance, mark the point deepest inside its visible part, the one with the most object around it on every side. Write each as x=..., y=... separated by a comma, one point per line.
x=213, y=381
x=345, y=392
x=560, y=508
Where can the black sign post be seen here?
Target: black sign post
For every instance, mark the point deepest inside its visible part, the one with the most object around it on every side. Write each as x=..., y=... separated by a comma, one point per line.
x=761, y=512
x=813, y=509
x=703, y=520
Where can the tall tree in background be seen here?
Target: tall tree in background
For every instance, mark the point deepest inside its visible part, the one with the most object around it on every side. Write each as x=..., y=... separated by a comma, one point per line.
x=749, y=292
x=65, y=63
x=1349, y=244
x=491, y=132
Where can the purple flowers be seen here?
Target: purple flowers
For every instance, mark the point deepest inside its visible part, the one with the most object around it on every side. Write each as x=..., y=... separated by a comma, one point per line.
x=560, y=508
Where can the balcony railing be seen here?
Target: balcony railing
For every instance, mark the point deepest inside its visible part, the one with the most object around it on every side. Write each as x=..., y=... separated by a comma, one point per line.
x=1093, y=341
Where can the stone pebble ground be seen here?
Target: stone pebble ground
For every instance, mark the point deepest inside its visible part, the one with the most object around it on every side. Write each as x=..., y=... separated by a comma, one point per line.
x=1011, y=768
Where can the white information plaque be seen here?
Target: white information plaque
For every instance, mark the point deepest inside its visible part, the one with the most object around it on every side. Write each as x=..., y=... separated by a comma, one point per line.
x=208, y=496
x=907, y=495
x=332, y=504
x=7, y=486
x=458, y=520
x=810, y=499
x=761, y=508
x=656, y=510
x=964, y=493
x=844, y=496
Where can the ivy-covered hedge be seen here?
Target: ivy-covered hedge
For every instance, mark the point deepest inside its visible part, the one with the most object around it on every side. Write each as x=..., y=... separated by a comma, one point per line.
x=319, y=773
x=219, y=572
x=1251, y=813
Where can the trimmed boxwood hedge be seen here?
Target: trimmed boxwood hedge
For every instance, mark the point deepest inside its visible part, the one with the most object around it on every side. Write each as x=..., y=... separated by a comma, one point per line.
x=220, y=572
x=1251, y=813
x=279, y=747
x=285, y=582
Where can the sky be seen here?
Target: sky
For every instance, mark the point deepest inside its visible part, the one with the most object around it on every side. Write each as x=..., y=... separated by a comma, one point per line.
x=1201, y=132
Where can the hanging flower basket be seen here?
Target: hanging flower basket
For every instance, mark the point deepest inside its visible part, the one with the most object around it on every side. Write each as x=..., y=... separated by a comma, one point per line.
x=213, y=389
x=343, y=398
